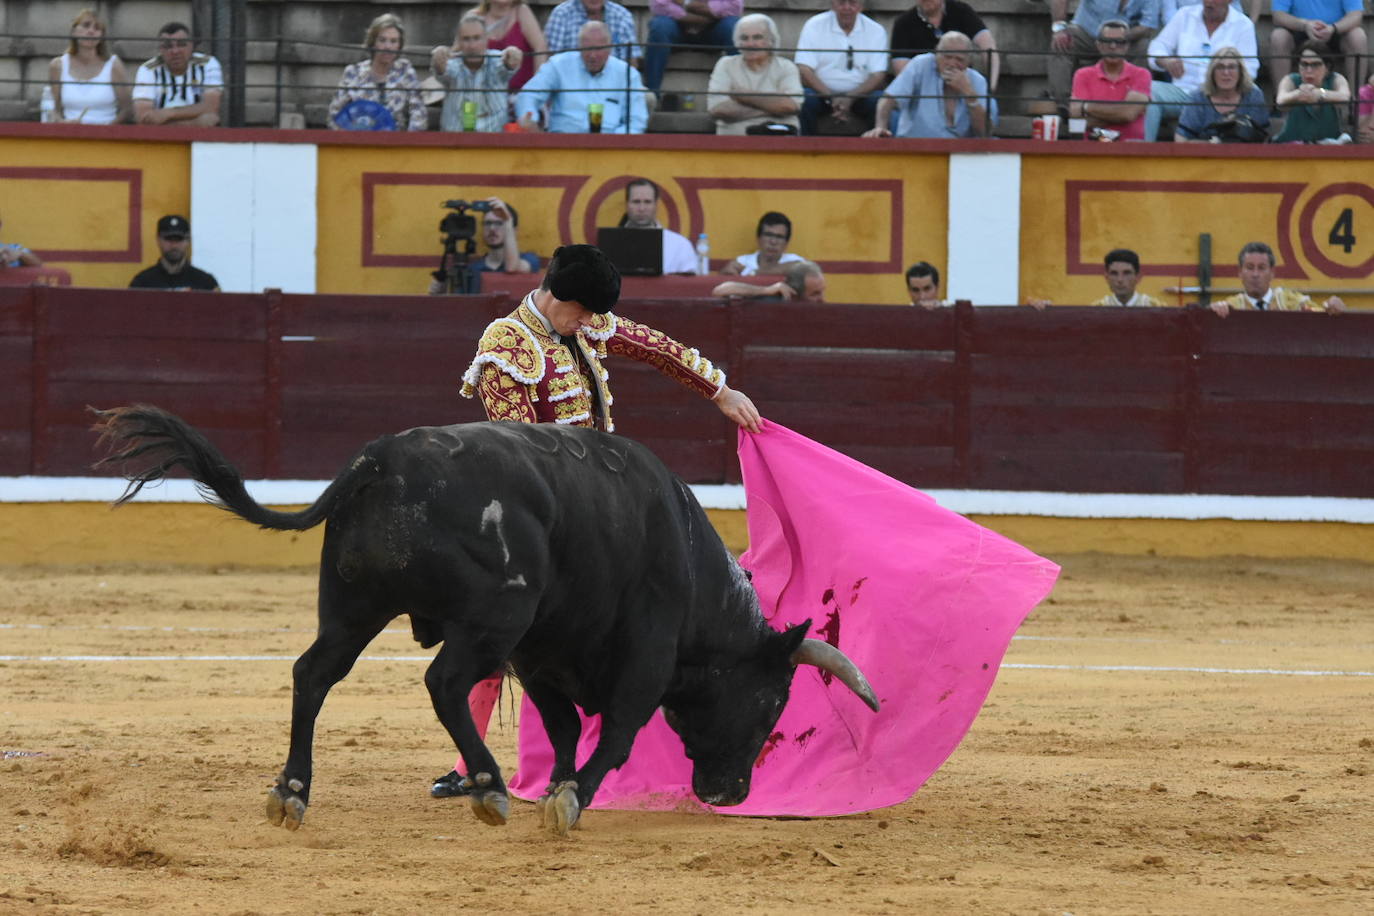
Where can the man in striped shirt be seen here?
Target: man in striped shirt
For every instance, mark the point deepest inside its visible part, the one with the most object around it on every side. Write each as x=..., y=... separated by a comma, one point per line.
x=178, y=86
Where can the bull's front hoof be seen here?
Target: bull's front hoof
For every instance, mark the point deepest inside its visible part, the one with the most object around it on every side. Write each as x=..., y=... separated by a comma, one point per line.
x=492, y=806
x=560, y=809
x=284, y=807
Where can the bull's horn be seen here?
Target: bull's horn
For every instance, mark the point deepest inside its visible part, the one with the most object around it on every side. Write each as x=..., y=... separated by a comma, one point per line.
x=826, y=657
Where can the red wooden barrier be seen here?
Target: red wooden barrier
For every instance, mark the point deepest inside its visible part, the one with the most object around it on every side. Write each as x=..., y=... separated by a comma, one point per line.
x=1072, y=399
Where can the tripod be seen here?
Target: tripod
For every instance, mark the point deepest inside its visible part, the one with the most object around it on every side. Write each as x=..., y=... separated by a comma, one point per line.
x=453, y=265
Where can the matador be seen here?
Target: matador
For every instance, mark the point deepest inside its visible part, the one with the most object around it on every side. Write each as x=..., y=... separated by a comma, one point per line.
x=542, y=364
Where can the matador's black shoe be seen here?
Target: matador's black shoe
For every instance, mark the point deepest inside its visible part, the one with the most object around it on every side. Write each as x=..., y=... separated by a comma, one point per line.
x=451, y=784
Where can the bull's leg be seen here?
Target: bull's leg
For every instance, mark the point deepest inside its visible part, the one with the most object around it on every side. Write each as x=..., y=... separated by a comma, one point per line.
x=558, y=807
x=561, y=724
x=450, y=678
x=329, y=658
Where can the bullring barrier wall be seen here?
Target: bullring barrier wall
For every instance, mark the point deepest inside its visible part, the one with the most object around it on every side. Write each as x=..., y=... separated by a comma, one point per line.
x=321, y=211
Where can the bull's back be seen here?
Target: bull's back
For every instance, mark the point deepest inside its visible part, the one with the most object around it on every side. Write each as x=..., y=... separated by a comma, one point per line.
x=554, y=507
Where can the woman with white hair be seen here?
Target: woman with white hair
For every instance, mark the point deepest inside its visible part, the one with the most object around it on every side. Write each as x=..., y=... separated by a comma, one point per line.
x=755, y=86
x=386, y=81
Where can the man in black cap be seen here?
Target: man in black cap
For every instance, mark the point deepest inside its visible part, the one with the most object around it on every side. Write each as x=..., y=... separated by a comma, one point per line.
x=173, y=270
x=542, y=362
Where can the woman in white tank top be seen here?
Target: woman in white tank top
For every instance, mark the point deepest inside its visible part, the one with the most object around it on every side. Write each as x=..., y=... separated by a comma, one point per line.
x=89, y=84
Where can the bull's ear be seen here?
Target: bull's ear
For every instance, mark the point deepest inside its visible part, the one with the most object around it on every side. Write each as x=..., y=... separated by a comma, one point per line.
x=793, y=637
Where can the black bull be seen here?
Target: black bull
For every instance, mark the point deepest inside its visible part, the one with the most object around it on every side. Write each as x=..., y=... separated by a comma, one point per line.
x=572, y=556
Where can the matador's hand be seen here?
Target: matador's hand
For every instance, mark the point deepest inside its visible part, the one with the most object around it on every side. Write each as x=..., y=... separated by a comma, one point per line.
x=737, y=406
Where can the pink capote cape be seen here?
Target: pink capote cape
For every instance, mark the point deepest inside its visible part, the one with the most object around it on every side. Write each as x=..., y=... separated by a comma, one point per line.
x=922, y=599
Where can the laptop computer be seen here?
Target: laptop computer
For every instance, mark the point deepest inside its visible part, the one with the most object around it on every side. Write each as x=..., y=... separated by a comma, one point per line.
x=635, y=252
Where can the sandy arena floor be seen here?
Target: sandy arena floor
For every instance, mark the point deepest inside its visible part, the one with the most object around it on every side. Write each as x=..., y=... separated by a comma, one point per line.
x=1096, y=784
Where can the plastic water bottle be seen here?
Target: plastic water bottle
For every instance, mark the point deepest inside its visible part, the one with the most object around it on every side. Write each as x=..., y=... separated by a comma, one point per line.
x=703, y=255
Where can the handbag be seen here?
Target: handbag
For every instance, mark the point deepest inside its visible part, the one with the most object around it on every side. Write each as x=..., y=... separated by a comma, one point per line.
x=771, y=129
x=1235, y=128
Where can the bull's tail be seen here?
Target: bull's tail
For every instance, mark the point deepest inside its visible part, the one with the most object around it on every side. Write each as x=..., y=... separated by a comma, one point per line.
x=166, y=441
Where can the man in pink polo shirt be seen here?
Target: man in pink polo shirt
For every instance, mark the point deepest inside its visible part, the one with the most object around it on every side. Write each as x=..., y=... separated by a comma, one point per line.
x=1113, y=94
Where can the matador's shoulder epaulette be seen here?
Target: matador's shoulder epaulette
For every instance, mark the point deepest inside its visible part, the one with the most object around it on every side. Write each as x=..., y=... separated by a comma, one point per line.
x=511, y=347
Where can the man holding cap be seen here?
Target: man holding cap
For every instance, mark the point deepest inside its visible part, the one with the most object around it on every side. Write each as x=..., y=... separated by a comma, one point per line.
x=173, y=270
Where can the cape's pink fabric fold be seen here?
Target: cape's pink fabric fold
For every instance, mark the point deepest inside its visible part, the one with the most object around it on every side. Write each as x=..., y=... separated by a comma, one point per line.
x=922, y=599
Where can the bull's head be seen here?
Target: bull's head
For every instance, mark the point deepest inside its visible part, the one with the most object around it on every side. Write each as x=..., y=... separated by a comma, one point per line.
x=725, y=714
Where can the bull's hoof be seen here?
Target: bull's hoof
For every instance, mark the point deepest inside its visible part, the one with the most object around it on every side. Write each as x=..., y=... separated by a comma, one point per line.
x=559, y=809
x=284, y=807
x=492, y=806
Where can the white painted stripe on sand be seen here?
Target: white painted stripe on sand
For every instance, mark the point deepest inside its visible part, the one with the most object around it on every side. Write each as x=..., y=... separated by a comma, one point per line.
x=1289, y=672
x=1185, y=506
x=427, y=658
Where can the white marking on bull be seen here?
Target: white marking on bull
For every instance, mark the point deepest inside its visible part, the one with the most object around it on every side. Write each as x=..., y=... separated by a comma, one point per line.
x=492, y=517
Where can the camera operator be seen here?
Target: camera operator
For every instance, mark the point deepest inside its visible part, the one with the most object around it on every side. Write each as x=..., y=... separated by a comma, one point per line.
x=503, y=255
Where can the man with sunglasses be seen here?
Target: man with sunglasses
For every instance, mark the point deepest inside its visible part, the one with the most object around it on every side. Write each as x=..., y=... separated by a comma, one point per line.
x=842, y=58
x=1072, y=43
x=178, y=86
x=774, y=232
x=1113, y=93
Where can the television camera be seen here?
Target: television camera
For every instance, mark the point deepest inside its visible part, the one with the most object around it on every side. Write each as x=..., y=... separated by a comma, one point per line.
x=455, y=227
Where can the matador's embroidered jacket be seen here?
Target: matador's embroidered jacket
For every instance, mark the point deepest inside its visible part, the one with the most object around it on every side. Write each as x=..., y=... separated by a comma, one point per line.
x=524, y=373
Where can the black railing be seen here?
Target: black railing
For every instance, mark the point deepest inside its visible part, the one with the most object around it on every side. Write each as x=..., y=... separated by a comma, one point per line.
x=284, y=93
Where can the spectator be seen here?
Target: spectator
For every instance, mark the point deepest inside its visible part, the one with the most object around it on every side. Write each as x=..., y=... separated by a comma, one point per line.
x=386, y=81
x=1183, y=48
x=923, y=285
x=1229, y=106
x=936, y=95
x=511, y=24
x=574, y=80
x=470, y=73
x=1123, y=274
x=173, y=269
x=801, y=280
x=1071, y=43
x=89, y=84
x=1366, y=112
x=564, y=27
x=641, y=212
x=709, y=23
x=1113, y=93
x=756, y=86
x=842, y=59
x=1256, y=275
x=1310, y=98
x=1335, y=24
x=499, y=225
x=918, y=30
x=14, y=255
x=178, y=86
x=774, y=232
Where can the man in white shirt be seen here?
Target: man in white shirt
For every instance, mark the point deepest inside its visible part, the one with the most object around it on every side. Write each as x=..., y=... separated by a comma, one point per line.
x=1183, y=48
x=842, y=56
x=641, y=212
x=178, y=86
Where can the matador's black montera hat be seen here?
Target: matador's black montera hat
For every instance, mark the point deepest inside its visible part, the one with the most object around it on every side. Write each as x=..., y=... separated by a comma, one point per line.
x=584, y=274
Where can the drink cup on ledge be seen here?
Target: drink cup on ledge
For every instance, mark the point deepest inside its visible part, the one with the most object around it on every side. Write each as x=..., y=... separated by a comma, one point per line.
x=594, y=112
